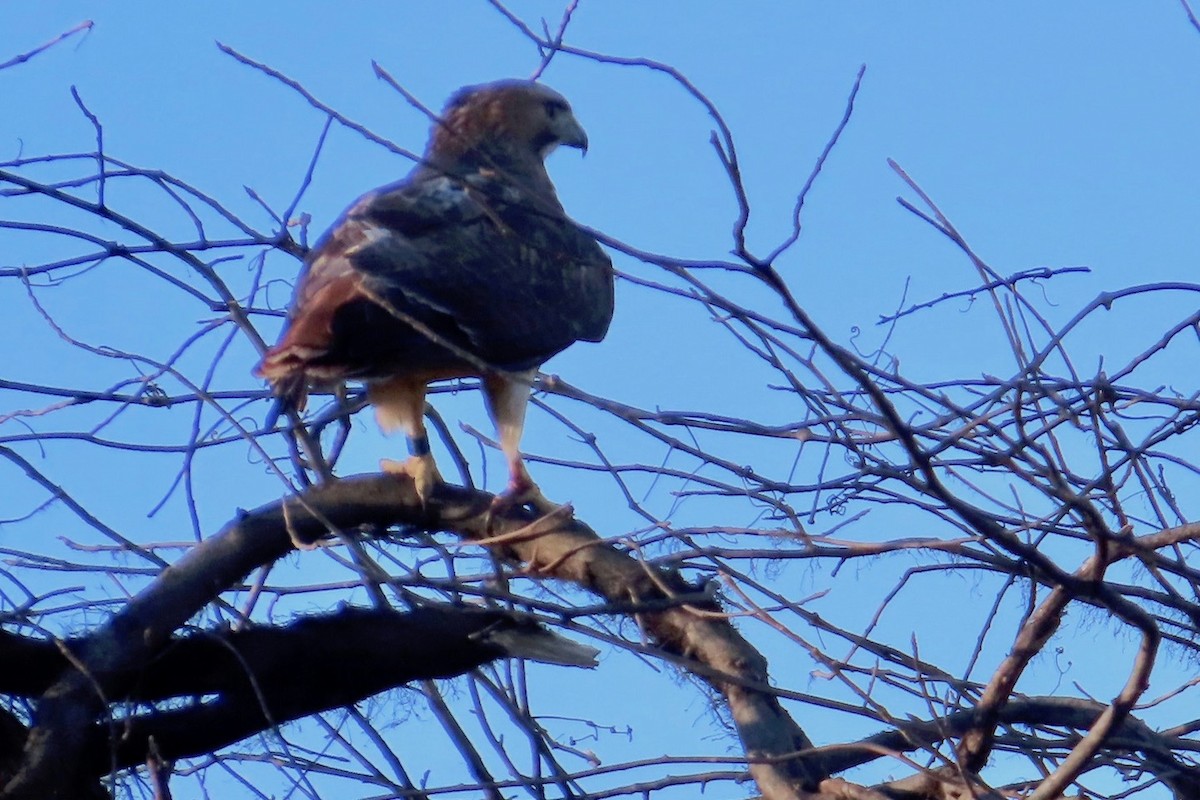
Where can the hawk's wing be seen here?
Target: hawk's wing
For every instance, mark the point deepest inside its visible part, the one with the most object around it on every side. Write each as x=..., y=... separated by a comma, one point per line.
x=489, y=267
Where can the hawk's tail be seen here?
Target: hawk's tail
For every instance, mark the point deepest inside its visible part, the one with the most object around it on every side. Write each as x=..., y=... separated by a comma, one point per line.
x=289, y=383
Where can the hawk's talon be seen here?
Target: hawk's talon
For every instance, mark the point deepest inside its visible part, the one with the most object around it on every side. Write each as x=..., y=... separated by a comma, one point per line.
x=421, y=469
x=522, y=491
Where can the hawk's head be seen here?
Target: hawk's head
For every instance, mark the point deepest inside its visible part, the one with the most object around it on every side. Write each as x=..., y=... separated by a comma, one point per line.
x=516, y=118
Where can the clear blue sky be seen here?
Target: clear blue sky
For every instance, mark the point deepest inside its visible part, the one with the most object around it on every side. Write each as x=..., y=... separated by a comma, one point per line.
x=1052, y=134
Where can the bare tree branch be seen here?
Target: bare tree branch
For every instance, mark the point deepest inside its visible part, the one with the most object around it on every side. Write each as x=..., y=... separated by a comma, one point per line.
x=86, y=25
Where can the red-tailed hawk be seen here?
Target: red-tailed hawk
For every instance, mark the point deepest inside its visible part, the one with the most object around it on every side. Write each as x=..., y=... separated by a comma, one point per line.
x=467, y=267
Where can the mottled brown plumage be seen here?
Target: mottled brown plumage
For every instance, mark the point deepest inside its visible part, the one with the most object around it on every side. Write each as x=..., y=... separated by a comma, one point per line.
x=467, y=267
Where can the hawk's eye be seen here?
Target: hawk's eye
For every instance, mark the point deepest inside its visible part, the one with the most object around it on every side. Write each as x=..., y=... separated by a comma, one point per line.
x=553, y=107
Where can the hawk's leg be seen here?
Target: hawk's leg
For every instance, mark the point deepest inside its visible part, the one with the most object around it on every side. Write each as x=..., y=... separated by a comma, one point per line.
x=507, y=401
x=400, y=405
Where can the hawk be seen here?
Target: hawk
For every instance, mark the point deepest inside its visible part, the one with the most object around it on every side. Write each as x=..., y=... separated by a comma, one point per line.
x=468, y=267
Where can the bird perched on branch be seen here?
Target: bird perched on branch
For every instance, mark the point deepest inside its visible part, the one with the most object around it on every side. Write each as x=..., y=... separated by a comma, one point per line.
x=466, y=268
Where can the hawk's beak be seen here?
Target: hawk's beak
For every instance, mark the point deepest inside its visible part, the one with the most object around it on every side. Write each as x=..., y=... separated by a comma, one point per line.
x=570, y=132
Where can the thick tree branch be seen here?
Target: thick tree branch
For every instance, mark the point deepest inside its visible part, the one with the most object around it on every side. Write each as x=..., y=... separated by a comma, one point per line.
x=264, y=677
x=268, y=676
x=700, y=638
x=360, y=645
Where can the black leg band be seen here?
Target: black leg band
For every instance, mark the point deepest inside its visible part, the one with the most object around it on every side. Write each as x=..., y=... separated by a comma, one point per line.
x=418, y=445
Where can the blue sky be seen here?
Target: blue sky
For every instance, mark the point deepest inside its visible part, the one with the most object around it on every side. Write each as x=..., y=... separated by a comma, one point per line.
x=1052, y=134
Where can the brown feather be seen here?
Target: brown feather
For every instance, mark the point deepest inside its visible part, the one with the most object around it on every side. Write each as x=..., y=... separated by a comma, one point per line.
x=476, y=118
x=289, y=364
